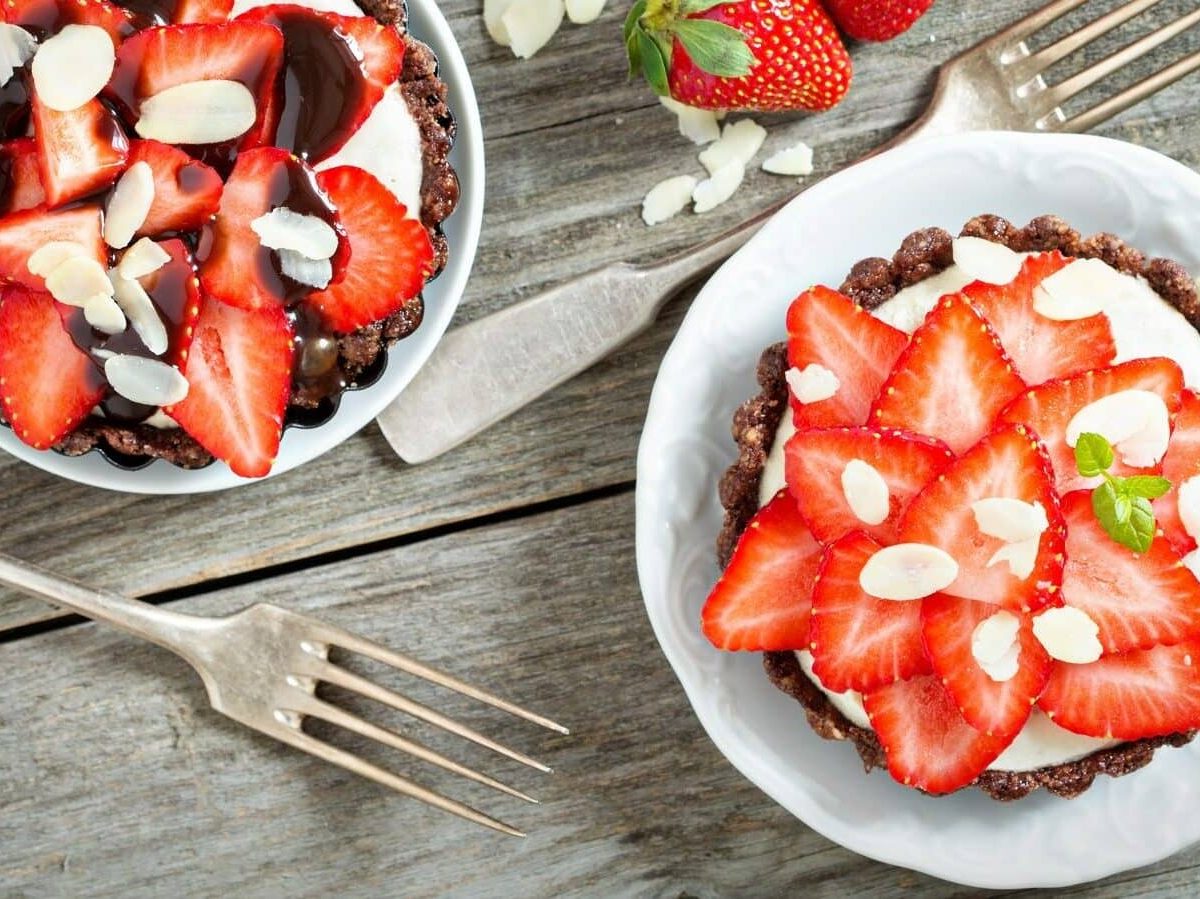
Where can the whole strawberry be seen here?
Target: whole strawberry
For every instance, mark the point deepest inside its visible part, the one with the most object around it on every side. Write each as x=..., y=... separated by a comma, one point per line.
x=764, y=55
x=876, y=20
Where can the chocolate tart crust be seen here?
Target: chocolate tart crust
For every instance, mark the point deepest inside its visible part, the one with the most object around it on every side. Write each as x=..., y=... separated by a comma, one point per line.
x=359, y=353
x=870, y=283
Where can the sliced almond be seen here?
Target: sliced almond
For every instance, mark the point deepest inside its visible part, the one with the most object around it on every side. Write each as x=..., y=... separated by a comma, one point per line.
x=739, y=141
x=986, y=261
x=313, y=272
x=667, y=199
x=77, y=279
x=128, y=204
x=700, y=126
x=103, y=314
x=139, y=309
x=530, y=24
x=712, y=192
x=492, y=11
x=50, y=256
x=796, y=160
x=146, y=381
x=1135, y=422
x=1021, y=556
x=73, y=66
x=17, y=47
x=1009, y=519
x=1189, y=506
x=994, y=636
x=908, y=571
x=1069, y=635
x=285, y=229
x=812, y=384
x=581, y=12
x=866, y=492
x=144, y=258
x=161, y=420
x=1080, y=289
x=198, y=112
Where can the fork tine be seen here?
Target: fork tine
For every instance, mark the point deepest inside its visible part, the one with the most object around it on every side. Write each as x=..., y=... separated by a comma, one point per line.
x=354, y=643
x=1101, y=112
x=1036, y=21
x=402, y=785
x=340, y=677
x=317, y=709
x=1047, y=56
x=1064, y=90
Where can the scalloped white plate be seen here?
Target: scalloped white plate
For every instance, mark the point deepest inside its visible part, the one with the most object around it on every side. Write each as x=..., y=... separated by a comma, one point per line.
x=358, y=407
x=1042, y=841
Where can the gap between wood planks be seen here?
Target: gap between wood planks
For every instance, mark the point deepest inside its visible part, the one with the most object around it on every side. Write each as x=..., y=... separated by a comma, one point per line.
x=332, y=557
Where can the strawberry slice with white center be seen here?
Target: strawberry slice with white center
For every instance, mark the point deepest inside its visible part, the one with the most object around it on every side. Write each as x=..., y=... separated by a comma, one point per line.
x=391, y=254
x=929, y=744
x=1048, y=409
x=201, y=12
x=860, y=642
x=1137, y=600
x=79, y=152
x=155, y=59
x=239, y=373
x=1129, y=695
x=47, y=384
x=951, y=381
x=24, y=233
x=44, y=18
x=187, y=193
x=1008, y=464
x=834, y=471
x=20, y=179
x=1041, y=348
x=763, y=598
x=997, y=707
x=828, y=329
x=1180, y=466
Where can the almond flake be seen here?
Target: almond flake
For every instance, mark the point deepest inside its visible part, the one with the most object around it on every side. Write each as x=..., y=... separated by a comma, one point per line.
x=17, y=47
x=1021, y=556
x=994, y=636
x=1009, y=519
x=103, y=314
x=139, y=309
x=313, y=272
x=198, y=112
x=145, y=381
x=812, y=384
x=986, y=261
x=161, y=420
x=1080, y=289
x=144, y=258
x=796, y=160
x=77, y=279
x=1189, y=506
x=530, y=24
x=581, y=12
x=866, y=492
x=492, y=11
x=285, y=229
x=667, y=199
x=1069, y=635
x=907, y=571
x=1135, y=422
x=128, y=204
x=50, y=256
x=712, y=192
x=739, y=142
x=700, y=126
x=72, y=67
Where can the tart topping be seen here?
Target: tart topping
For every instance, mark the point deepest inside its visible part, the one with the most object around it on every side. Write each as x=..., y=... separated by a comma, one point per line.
x=1189, y=506
x=1009, y=519
x=143, y=258
x=197, y=112
x=908, y=571
x=984, y=260
x=812, y=384
x=1136, y=422
x=1180, y=466
x=1069, y=634
x=23, y=234
x=79, y=152
x=145, y=381
x=128, y=205
x=866, y=492
x=308, y=235
x=17, y=47
x=77, y=279
x=137, y=306
x=50, y=256
x=103, y=314
x=300, y=268
x=186, y=191
x=994, y=645
x=20, y=180
x=73, y=66
x=1079, y=290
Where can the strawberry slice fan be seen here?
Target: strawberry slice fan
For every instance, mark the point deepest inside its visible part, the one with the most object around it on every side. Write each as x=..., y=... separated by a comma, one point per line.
x=155, y=262
x=982, y=521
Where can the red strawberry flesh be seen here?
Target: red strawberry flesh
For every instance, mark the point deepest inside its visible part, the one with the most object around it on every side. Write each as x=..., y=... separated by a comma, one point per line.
x=1180, y=465
x=20, y=179
x=187, y=193
x=24, y=233
x=79, y=152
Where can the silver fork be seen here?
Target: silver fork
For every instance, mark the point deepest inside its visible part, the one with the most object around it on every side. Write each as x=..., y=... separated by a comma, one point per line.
x=488, y=369
x=261, y=667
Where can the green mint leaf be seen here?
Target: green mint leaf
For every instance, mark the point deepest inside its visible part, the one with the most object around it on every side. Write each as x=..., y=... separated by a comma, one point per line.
x=631, y=21
x=691, y=7
x=1093, y=454
x=654, y=65
x=1128, y=519
x=1146, y=486
x=635, y=55
x=714, y=47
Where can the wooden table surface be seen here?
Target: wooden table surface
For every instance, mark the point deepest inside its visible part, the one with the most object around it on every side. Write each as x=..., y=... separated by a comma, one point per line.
x=509, y=562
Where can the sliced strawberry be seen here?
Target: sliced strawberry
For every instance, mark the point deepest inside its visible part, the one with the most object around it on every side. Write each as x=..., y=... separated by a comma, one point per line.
x=79, y=152
x=155, y=59
x=1138, y=600
x=929, y=744
x=763, y=598
x=234, y=266
x=176, y=297
x=239, y=372
x=1129, y=695
x=201, y=12
x=816, y=460
x=1179, y=465
x=187, y=193
x=860, y=642
x=23, y=233
x=994, y=707
x=1008, y=463
x=20, y=181
x=1048, y=409
x=391, y=253
x=828, y=329
x=1041, y=348
x=47, y=384
x=951, y=381
x=46, y=17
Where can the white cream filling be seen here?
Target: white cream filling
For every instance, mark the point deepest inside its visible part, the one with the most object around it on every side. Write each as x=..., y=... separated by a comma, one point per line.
x=1143, y=324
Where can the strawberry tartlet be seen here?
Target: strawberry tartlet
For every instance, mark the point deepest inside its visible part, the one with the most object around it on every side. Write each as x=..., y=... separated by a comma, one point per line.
x=962, y=527
x=215, y=216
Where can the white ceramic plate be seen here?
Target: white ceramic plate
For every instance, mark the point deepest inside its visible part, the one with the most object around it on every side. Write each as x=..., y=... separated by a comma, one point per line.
x=1096, y=185
x=358, y=407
